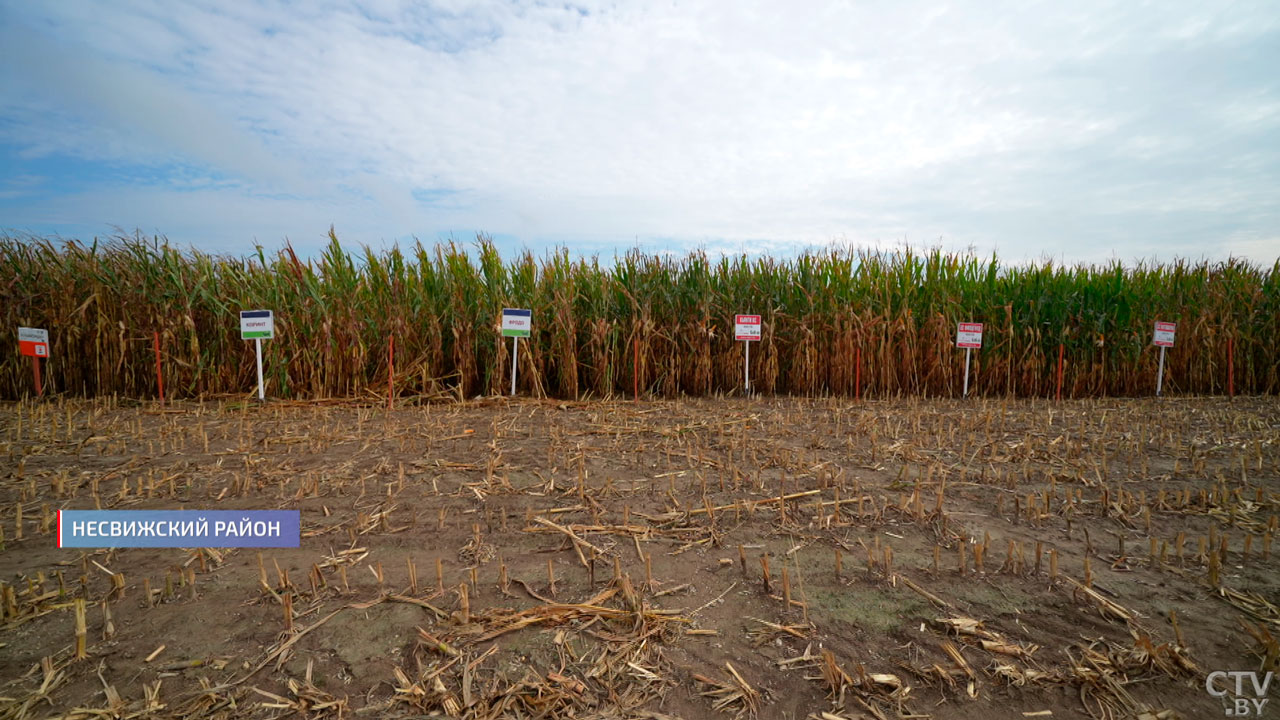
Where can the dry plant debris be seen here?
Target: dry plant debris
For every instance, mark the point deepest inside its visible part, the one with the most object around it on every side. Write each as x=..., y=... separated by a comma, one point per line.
x=619, y=560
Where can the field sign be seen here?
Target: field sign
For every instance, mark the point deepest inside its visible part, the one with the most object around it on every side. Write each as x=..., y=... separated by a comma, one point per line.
x=257, y=325
x=1164, y=338
x=747, y=329
x=33, y=342
x=969, y=335
x=516, y=322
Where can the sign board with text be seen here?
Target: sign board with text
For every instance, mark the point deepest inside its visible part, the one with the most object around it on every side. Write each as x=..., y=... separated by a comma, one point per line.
x=1164, y=333
x=969, y=335
x=33, y=342
x=746, y=327
x=516, y=322
x=257, y=325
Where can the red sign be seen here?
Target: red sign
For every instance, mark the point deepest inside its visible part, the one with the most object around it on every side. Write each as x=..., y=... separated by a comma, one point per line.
x=33, y=349
x=33, y=342
x=1164, y=333
x=746, y=327
x=969, y=335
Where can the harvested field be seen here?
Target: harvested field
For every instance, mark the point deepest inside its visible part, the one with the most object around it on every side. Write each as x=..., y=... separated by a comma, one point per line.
x=784, y=558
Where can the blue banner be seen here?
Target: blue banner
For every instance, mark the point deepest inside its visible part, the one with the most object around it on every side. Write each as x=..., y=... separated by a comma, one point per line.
x=179, y=528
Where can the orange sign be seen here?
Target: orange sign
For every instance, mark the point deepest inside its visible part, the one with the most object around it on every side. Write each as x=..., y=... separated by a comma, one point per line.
x=33, y=342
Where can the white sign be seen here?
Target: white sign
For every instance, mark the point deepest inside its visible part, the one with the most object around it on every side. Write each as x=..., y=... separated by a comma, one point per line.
x=516, y=322
x=257, y=325
x=1164, y=333
x=746, y=327
x=39, y=335
x=969, y=335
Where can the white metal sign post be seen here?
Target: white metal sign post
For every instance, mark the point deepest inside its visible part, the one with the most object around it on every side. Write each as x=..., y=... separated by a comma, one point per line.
x=968, y=336
x=1164, y=338
x=516, y=323
x=256, y=325
x=747, y=329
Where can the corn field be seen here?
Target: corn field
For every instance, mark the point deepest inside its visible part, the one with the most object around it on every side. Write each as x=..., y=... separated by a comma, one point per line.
x=658, y=325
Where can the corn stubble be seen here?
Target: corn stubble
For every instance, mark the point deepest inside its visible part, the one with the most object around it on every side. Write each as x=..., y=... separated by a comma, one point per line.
x=1156, y=518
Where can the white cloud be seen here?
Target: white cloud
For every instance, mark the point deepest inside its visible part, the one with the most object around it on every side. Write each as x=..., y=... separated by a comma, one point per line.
x=1032, y=128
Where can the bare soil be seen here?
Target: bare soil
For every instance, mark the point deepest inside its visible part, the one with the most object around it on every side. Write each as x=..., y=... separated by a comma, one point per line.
x=656, y=519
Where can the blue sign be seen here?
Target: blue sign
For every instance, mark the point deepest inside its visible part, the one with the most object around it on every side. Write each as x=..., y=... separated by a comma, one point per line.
x=179, y=528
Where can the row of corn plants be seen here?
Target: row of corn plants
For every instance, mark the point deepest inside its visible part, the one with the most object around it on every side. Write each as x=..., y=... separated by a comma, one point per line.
x=653, y=324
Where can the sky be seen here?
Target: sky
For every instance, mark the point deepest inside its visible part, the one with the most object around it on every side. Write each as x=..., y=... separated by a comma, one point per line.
x=1080, y=131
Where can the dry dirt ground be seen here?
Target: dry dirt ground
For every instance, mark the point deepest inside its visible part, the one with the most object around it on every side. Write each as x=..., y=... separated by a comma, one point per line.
x=930, y=558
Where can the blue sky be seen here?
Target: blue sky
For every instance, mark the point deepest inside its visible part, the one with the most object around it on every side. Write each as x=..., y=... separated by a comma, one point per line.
x=1079, y=131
